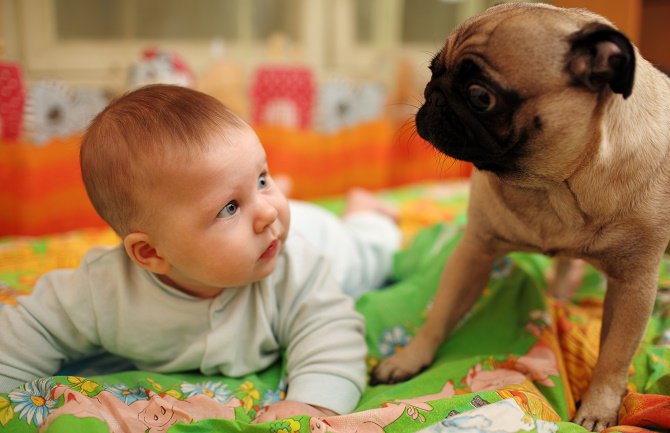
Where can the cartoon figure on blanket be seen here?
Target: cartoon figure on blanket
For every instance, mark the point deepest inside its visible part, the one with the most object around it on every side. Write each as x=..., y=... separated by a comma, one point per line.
x=155, y=414
x=504, y=416
x=375, y=420
x=207, y=253
x=537, y=365
x=506, y=377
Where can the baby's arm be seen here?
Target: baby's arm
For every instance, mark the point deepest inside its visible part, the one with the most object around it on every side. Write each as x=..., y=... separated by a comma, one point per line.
x=323, y=336
x=37, y=334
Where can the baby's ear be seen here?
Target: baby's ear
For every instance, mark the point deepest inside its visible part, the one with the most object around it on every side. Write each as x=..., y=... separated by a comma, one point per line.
x=139, y=249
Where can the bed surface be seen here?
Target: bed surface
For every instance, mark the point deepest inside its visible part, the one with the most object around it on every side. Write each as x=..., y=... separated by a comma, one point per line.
x=517, y=363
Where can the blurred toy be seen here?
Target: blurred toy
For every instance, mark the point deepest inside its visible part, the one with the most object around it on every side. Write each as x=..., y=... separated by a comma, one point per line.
x=224, y=79
x=56, y=110
x=371, y=98
x=159, y=66
x=342, y=104
x=283, y=95
x=48, y=112
x=87, y=103
x=12, y=100
x=336, y=106
x=283, y=91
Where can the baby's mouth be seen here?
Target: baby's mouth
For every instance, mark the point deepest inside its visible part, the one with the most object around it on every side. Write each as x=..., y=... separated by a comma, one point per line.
x=271, y=250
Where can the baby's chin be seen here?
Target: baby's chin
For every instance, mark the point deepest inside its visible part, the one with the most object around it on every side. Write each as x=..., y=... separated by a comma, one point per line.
x=267, y=270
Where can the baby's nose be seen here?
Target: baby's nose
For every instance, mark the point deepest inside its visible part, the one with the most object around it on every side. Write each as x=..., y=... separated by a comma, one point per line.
x=265, y=216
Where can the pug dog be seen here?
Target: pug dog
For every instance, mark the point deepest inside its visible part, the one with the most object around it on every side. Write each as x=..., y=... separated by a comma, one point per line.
x=568, y=129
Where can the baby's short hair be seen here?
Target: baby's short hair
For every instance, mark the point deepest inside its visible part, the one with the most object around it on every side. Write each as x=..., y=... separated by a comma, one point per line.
x=135, y=133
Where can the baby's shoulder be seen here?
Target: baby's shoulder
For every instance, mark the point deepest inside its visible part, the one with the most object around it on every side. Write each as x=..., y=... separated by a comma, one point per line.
x=99, y=271
x=104, y=255
x=100, y=263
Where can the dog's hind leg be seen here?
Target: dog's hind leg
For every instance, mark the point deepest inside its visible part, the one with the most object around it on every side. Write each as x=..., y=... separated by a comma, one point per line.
x=565, y=278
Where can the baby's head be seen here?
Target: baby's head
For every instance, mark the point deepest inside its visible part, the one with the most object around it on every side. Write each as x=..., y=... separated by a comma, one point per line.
x=135, y=137
x=184, y=182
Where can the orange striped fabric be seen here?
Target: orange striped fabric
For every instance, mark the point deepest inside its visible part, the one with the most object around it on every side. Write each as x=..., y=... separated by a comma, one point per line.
x=41, y=190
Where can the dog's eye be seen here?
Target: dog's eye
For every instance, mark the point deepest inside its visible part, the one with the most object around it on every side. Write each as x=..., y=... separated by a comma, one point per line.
x=480, y=98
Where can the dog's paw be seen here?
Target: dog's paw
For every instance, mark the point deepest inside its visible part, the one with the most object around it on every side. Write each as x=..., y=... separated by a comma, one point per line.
x=399, y=367
x=593, y=421
x=597, y=414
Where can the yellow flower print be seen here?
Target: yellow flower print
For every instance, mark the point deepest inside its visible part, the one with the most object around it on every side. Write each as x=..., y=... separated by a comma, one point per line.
x=155, y=385
x=288, y=425
x=82, y=384
x=174, y=393
x=6, y=411
x=371, y=363
x=252, y=395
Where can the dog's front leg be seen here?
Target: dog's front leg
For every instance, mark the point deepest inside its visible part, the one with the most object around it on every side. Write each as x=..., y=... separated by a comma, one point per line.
x=628, y=305
x=465, y=274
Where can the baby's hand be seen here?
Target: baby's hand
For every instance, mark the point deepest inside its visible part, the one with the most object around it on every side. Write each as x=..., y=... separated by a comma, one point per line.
x=288, y=408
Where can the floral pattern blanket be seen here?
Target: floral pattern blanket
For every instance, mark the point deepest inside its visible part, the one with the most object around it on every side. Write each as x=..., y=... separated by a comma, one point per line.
x=518, y=362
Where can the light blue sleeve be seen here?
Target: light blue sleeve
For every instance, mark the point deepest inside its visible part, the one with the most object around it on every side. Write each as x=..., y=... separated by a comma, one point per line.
x=322, y=333
x=38, y=333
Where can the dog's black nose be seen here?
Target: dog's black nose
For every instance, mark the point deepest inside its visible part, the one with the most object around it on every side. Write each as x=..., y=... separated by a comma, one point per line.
x=436, y=98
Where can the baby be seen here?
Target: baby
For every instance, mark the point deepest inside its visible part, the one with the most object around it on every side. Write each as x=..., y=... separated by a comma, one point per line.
x=207, y=276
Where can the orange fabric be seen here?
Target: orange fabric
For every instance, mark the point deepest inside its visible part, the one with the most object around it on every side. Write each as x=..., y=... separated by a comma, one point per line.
x=414, y=159
x=41, y=190
x=579, y=334
x=373, y=155
x=641, y=411
x=323, y=165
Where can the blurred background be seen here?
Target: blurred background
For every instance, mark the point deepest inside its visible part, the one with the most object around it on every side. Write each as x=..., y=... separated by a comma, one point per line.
x=330, y=85
x=95, y=42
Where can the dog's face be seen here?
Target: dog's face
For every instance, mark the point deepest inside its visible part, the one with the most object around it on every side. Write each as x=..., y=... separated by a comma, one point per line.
x=521, y=89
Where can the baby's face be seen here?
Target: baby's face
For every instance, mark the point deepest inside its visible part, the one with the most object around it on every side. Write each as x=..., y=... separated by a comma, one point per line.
x=220, y=219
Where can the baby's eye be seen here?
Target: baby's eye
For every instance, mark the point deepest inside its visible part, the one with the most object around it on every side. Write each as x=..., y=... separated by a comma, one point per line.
x=262, y=181
x=228, y=210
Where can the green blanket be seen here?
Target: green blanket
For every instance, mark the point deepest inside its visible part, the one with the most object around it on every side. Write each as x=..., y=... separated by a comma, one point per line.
x=517, y=362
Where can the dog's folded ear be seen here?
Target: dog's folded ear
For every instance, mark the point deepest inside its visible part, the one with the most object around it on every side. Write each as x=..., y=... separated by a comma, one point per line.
x=602, y=56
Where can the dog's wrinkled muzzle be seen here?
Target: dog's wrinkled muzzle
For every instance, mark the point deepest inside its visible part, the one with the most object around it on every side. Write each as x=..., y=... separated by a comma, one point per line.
x=448, y=124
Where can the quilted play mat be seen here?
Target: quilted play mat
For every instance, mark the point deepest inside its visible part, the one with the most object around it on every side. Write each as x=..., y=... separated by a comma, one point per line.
x=518, y=362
